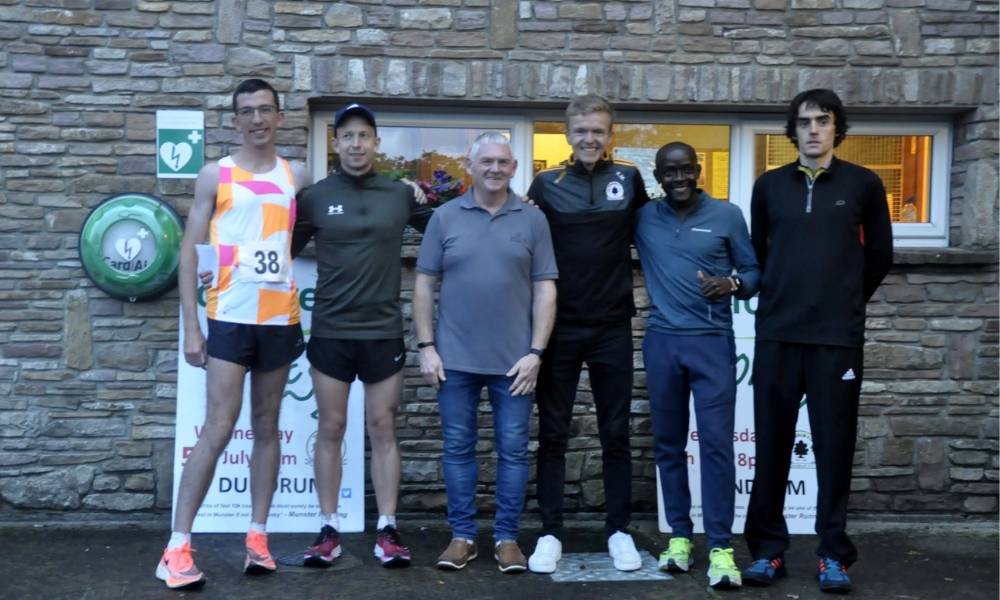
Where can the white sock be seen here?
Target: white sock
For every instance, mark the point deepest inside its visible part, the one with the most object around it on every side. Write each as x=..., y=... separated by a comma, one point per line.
x=385, y=520
x=258, y=527
x=178, y=539
x=332, y=519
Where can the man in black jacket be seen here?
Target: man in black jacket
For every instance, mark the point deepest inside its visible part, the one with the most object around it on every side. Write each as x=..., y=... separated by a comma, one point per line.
x=823, y=238
x=590, y=202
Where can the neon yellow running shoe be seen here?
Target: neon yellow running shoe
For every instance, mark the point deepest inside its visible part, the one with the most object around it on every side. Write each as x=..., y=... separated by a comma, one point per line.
x=722, y=571
x=677, y=557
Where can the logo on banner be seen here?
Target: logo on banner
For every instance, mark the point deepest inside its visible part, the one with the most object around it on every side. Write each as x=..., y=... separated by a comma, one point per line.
x=802, y=451
x=311, y=449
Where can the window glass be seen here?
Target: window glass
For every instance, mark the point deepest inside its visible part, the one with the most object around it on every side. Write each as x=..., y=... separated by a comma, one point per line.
x=431, y=156
x=912, y=158
x=901, y=161
x=638, y=143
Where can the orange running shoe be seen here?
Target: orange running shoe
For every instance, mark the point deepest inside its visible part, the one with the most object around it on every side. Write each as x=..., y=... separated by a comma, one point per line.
x=177, y=569
x=259, y=559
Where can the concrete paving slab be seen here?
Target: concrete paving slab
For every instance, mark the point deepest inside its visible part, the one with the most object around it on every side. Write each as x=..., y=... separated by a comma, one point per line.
x=583, y=567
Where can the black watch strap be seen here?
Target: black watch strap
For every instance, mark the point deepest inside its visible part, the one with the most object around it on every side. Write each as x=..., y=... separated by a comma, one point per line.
x=536, y=351
x=422, y=345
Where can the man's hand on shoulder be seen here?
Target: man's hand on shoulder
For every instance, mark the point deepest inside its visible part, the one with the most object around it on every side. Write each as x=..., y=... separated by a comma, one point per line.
x=300, y=175
x=418, y=193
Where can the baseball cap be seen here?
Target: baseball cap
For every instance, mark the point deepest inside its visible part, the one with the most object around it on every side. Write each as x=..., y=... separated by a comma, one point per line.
x=351, y=110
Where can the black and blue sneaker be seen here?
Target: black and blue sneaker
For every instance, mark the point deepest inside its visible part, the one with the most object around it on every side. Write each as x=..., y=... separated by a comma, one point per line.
x=764, y=571
x=833, y=577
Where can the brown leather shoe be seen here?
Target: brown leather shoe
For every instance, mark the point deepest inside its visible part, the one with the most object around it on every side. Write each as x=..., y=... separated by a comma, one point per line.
x=458, y=554
x=509, y=557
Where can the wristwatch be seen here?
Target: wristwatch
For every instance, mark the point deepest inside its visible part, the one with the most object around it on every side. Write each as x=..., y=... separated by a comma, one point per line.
x=536, y=351
x=422, y=345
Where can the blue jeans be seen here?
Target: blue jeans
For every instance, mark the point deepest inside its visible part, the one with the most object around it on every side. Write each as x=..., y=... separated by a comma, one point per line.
x=676, y=367
x=458, y=401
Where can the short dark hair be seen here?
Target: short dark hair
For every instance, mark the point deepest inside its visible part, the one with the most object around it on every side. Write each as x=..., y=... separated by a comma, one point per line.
x=250, y=86
x=661, y=154
x=826, y=100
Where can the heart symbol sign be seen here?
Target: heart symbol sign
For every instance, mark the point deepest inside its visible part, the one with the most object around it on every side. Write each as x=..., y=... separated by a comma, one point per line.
x=174, y=155
x=128, y=248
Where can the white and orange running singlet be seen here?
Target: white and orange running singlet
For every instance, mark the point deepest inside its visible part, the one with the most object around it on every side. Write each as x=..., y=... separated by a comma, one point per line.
x=251, y=230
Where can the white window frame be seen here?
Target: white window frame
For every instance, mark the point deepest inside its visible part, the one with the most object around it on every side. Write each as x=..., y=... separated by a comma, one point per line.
x=934, y=233
x=520, y=121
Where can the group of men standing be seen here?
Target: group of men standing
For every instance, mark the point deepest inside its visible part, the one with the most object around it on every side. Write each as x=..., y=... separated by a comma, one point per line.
x=530, y=290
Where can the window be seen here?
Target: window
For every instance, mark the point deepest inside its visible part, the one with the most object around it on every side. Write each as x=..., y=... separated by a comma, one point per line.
x=638, y=143
x=901, y=161
x=912, y=158
x=422, y=148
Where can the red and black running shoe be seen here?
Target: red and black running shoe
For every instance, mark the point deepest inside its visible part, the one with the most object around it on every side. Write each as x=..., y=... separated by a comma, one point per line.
x=389, y=548
x=324, y=550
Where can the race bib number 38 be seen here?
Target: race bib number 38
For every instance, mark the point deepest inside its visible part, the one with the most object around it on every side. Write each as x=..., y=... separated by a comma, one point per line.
x=264, y=262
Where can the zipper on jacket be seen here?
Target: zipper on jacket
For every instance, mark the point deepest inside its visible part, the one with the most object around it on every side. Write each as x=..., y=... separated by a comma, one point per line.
x=810, y=182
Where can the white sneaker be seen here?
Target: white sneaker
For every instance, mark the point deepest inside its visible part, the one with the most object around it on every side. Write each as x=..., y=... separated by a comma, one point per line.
x=623, y=552
x=546, y=556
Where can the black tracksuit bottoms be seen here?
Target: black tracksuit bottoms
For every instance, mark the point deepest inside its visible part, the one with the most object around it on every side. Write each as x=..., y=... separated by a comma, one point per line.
x=830, y=378
x=607, y=350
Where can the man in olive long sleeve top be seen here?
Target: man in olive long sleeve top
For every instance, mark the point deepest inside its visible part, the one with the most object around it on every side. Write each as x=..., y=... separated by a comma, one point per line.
x=357, y=218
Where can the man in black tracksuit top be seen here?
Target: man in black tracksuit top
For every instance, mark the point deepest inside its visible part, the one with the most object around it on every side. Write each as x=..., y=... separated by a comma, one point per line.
x=590, y=202
x=823, y=238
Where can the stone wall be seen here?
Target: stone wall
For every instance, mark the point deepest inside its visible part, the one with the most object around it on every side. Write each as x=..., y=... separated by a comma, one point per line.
x=87, y=383
x=928, y=433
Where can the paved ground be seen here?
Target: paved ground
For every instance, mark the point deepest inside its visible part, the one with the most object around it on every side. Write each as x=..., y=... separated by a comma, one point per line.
x=904, y=561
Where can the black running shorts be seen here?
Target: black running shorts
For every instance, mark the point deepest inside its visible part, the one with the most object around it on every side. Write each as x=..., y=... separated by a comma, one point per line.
x=370, y=360
x=256, y=347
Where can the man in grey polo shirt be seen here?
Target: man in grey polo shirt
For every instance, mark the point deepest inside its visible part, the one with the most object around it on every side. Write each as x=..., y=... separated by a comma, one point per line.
x=497, y=306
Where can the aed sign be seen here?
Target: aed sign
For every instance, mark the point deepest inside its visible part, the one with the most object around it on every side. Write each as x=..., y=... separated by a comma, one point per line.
x=180, y=143
x=130, y=246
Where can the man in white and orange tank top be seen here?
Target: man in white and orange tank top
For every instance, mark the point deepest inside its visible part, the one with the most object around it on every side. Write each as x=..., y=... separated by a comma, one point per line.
x=244, y=206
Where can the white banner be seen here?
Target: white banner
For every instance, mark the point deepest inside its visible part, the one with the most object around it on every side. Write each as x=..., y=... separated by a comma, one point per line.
x=295, y=508
x=800, y=496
